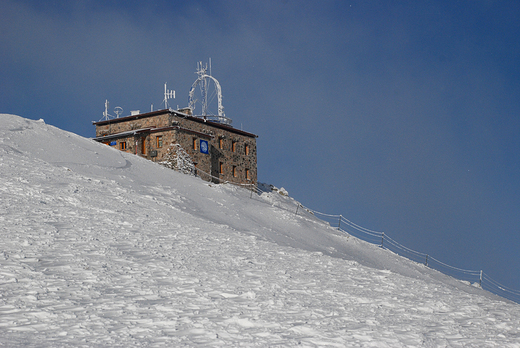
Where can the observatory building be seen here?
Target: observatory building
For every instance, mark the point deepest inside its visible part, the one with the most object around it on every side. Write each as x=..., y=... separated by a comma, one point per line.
x=217, y=151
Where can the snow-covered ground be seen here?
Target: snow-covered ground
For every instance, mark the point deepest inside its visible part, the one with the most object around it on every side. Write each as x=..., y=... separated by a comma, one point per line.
x=101, y=248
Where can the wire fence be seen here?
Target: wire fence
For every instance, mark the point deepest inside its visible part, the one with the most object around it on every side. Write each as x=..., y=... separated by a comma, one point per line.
x=476, y=278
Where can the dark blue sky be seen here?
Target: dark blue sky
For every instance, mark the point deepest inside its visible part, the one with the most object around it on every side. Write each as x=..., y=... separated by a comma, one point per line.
x=404, y=116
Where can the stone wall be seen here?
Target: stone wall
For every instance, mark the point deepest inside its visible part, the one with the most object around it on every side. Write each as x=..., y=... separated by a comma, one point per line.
x=232, y=153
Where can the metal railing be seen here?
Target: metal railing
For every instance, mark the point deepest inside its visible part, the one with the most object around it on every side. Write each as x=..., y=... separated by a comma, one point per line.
x=475, y=277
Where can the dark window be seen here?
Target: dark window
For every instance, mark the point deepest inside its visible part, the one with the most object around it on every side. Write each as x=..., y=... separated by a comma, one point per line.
x=122, y=145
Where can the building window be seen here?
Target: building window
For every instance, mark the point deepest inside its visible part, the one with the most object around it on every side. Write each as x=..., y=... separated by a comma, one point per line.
x=248, y=174
x=221, y=168
x=143, y=146
x=234, y=146
x=159, y=141
x=235, y=173
x=246, y=150
x=221, y=143
x=122, y=145
x=194, y=143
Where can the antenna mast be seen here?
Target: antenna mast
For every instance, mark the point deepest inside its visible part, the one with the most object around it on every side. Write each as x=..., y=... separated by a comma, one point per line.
x=205, y=92
x=201, y=71
x=168, y=94
x=106, y=116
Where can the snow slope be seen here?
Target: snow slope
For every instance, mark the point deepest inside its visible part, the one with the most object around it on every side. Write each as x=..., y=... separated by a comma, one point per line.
x=101, y=248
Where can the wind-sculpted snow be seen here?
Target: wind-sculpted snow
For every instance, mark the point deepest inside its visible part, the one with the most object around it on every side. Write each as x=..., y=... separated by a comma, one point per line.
x=104, y=249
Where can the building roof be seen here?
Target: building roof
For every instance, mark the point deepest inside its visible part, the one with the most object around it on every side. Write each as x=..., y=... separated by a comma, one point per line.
x=148, y=130
x=179, y=114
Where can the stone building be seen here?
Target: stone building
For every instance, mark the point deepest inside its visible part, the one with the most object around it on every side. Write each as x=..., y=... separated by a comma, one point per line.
x=218, y=151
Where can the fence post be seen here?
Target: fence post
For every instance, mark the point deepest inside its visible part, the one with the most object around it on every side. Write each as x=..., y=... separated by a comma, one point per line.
x=480, y=280
x=297, y=206
x=339, y=222
x=382, y=239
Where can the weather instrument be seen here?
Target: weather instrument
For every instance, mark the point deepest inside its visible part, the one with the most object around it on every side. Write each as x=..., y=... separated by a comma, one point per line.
x=118, y=111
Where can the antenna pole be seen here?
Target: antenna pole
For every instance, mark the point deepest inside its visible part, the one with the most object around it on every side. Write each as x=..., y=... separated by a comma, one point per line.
x=168, y=94
x=165, y=97
x=105, y=114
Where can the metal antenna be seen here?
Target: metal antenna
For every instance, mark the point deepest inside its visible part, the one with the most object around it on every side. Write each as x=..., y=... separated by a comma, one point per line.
x=203, y=92
x=168, y=94
x=106, y=116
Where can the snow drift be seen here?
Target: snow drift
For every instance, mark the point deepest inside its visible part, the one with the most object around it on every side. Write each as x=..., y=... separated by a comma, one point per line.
x=103, y=248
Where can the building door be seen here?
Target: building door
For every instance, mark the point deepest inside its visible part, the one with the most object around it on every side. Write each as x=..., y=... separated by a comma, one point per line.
x=143, y=145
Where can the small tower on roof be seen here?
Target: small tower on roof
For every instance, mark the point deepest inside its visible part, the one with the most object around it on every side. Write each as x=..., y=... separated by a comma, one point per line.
x=206, y=95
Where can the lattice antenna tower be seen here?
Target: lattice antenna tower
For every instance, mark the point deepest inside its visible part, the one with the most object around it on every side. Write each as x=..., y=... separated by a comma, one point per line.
x=168, y=94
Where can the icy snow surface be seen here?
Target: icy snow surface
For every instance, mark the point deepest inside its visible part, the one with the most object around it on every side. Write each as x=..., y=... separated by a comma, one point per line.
x=101, y=248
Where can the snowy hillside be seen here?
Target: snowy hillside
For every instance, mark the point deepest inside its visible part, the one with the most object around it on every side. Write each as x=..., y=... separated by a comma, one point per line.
x=104, y=249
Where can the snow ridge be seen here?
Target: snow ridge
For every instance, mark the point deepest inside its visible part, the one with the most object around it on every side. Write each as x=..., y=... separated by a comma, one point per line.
x=102, y=248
